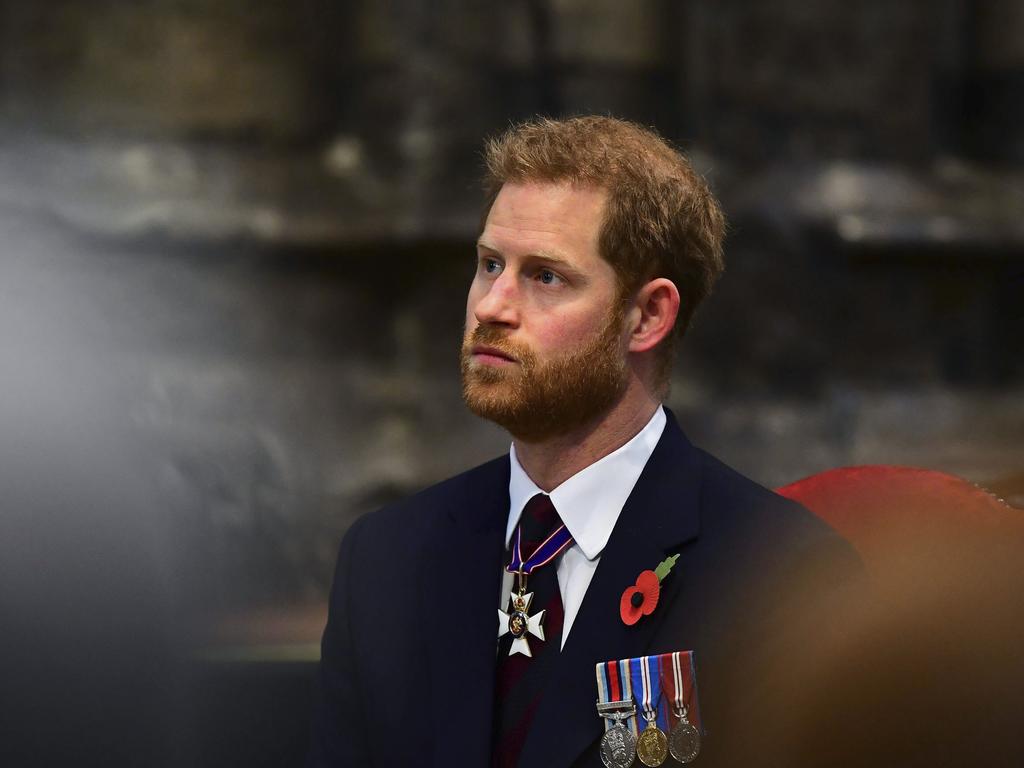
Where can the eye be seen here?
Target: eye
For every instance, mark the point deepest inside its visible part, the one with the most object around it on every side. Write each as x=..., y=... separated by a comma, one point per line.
x=489, y=266
x=547, y=277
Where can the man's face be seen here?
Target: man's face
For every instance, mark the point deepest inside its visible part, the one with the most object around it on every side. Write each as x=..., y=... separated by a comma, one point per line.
x=544, y=349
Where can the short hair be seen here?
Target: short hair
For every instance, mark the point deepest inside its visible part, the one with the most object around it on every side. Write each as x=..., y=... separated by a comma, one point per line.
x=661, y=218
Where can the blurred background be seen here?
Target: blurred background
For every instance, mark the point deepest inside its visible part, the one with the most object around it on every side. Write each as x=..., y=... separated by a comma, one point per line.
x=235, y=240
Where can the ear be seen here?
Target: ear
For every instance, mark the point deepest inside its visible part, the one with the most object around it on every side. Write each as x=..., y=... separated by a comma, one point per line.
x=652, y=315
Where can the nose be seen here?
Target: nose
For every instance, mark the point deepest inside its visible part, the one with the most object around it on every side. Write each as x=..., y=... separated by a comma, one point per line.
x=498, y=302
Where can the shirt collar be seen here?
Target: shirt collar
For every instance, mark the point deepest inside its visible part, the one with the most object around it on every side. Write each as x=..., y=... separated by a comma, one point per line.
x=590, y=501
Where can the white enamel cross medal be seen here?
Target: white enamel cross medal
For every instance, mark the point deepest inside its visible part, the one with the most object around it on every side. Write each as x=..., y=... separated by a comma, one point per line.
x=518, y=622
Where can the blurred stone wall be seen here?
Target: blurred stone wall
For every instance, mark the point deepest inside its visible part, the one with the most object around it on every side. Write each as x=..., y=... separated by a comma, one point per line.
x=266, y=213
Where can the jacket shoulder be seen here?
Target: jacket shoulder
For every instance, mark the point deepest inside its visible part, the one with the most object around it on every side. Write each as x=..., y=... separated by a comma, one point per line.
x=724, y=487
x=764, y=525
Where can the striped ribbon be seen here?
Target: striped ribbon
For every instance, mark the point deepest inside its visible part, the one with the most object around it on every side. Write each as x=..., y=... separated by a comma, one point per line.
x=614, y=683
x=646, y=674
x=547, y=551
x=679, y=681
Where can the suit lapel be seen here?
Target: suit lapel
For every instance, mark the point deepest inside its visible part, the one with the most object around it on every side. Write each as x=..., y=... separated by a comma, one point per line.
x=459, y=614
x=659, y=518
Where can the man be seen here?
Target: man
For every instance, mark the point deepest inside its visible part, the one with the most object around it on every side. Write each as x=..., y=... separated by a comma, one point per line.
x=598, y=244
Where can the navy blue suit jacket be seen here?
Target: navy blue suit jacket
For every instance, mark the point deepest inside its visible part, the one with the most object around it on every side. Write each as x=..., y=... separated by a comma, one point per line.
x=408, y=655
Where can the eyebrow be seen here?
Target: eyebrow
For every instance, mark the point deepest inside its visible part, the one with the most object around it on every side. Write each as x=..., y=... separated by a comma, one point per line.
x=549, y=256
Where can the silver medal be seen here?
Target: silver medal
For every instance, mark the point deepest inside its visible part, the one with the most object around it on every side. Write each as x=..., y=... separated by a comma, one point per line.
x=618, y=747
x=684, y=741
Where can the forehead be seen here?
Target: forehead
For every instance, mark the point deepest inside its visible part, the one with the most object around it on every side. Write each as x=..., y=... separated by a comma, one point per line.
x=528, y=217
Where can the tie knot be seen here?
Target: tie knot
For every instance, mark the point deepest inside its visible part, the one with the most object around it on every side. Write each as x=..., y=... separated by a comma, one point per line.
x=538, y=521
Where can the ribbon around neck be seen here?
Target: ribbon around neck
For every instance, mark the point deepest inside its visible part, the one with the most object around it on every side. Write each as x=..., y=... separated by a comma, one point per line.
x=547, y=551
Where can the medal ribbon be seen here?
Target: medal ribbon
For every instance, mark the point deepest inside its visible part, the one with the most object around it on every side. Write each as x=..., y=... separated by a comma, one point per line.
x=627, y=690
x=658, y=682
x=614, y=684
x=646, y=680
x=683, y=682
x=547, y=551
x=603, y=686
x=677, y=682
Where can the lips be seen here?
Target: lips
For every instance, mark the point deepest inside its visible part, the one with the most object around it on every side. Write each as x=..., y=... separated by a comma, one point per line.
x=487, y=351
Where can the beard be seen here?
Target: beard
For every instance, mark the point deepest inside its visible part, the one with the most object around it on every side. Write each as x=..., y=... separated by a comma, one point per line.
x=535, y=400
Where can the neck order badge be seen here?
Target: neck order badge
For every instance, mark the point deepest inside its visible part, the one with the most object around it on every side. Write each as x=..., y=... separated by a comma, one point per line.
x=518, y=620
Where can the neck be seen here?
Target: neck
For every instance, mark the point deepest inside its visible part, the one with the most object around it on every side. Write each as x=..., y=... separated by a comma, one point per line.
x=550, y=463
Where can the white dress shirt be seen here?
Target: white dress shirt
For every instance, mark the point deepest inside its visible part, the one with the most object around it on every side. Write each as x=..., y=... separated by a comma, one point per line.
x=589, y=504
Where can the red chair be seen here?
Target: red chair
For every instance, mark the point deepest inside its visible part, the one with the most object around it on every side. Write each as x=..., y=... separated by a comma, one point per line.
x=882, y=509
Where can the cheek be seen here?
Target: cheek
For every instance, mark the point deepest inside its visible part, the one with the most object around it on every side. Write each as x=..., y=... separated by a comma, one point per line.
x=566, y=333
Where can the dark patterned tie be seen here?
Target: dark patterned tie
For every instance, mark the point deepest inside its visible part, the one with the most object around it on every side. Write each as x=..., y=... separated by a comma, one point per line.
x=520, y=679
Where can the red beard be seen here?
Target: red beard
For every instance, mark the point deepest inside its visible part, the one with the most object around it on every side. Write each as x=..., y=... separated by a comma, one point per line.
x=535, y=400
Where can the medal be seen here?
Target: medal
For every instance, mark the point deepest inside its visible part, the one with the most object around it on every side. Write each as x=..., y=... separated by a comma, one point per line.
x=651, y=744
x=684, y=741
x=615, y=705
x=517, y=621
x=663, y=689
x=618, y=746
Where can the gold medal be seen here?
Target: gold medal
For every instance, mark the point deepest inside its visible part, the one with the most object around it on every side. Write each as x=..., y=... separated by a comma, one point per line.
x=652, y=744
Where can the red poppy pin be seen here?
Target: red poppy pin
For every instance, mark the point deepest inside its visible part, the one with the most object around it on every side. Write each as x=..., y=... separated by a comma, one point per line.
x=642, y=598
